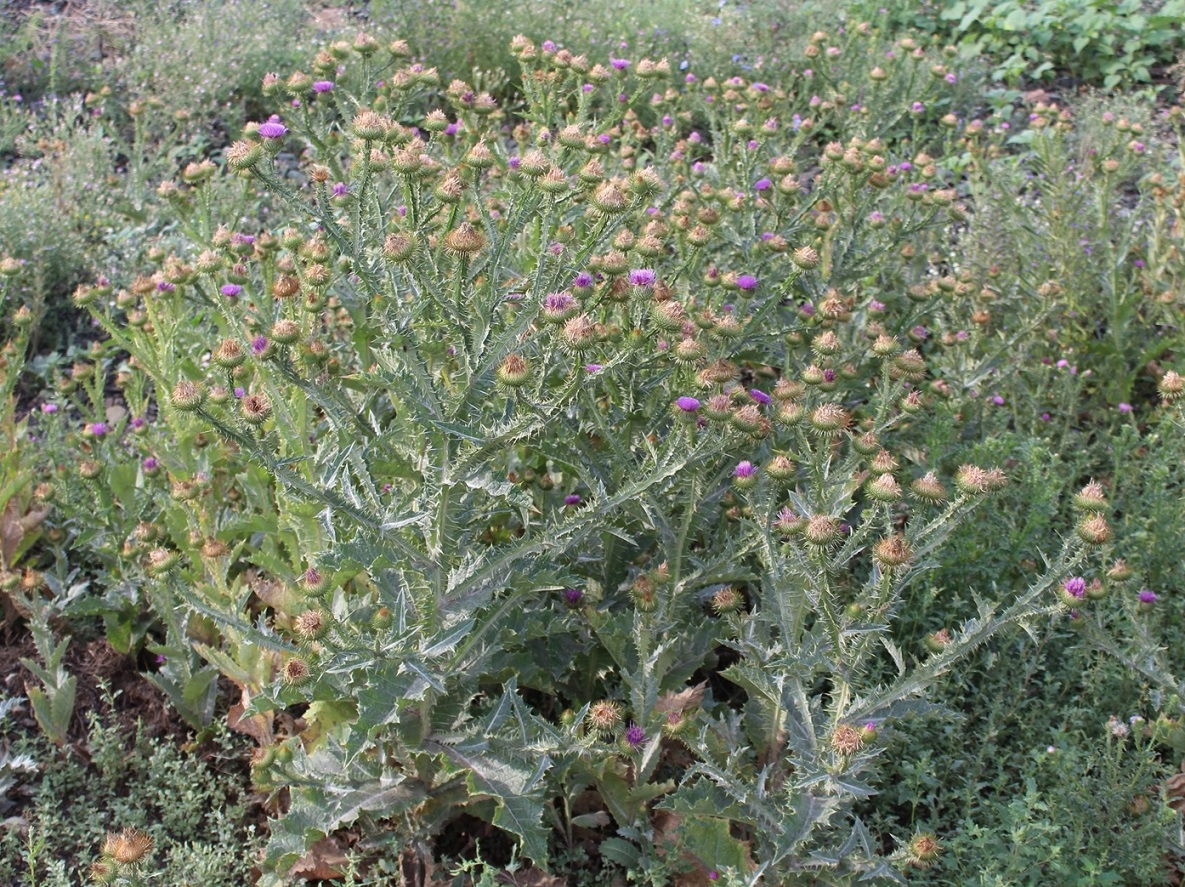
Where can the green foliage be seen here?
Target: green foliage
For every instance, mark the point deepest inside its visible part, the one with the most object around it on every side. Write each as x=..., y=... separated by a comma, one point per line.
x=1104, y=42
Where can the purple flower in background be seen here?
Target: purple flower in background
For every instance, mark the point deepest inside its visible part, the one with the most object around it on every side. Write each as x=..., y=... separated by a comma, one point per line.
x=687, y=404
x=1147, y=596
x=150, y=463
x=259, y=345
x=139, y=422
x=747, y=282
x=98, y=429
x=572, y=499
x=548, y=46
x=339, y=189
x=165, y=287
x=49, y=408
x=762, y=185
x=874, y=305
x=998, y=400
x=1125, y=408
x=593, y=368
x=635, y=736
x=322, y=86
x=619, y=64
x=573, y=596
x=273, y=129
x=451, y=129
x=642, y=277
x=828, y=375
x=230, y=290
x=240, y=392
x=760, y=396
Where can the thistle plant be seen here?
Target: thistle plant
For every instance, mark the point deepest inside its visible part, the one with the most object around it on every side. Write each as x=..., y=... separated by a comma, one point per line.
x=558, y=458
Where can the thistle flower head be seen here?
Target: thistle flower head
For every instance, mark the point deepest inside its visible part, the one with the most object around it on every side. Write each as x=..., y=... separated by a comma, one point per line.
x=635, y=736
x=1094, y=530
x=127, y=847
x=604, y=716
x=846, y=739
x=821, y=530
x=464, y=241
x=310, y=624
x=295, y=671
x=1091, y=498
x=923, y=850
x=892, y=551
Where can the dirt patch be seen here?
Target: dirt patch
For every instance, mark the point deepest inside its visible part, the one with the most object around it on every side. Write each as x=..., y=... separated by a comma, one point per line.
x=108, y=682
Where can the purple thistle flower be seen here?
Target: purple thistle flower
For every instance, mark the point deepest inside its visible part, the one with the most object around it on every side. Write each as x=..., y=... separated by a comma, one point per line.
x=259, y=345
x=49, y=408
x=573, y=596
x=635, y=736
x=451, y=129
x=829, y=375
x=874, y=305
x=687, y=404
x=150, y=463
x=231, y=290
x=240, y=392
x=642, y=277
x=339, y=189
x=320, y=86
x=165, y=287
x=744, y=469
x=548, y=46
x=513, y=162
x=1147, y=596
x=619, y=64
x=558, y=302
x=763, y=184
x=760, y=396
x=747, y=282
x=273, y=129
x=572, y=499
x=593, y=368
x=583, y=279
x=138, y=422
x=998, y=400
x=1075, y=586
x=1125, y=408
x=98, y=429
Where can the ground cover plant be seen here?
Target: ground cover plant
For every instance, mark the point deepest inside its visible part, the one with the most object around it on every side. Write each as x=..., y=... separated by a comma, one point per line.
x=625, y=466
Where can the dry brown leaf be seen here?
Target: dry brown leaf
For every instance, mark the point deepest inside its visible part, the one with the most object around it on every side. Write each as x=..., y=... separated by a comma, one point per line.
x=531, y=877
x=684, y=700
x=326, y=860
